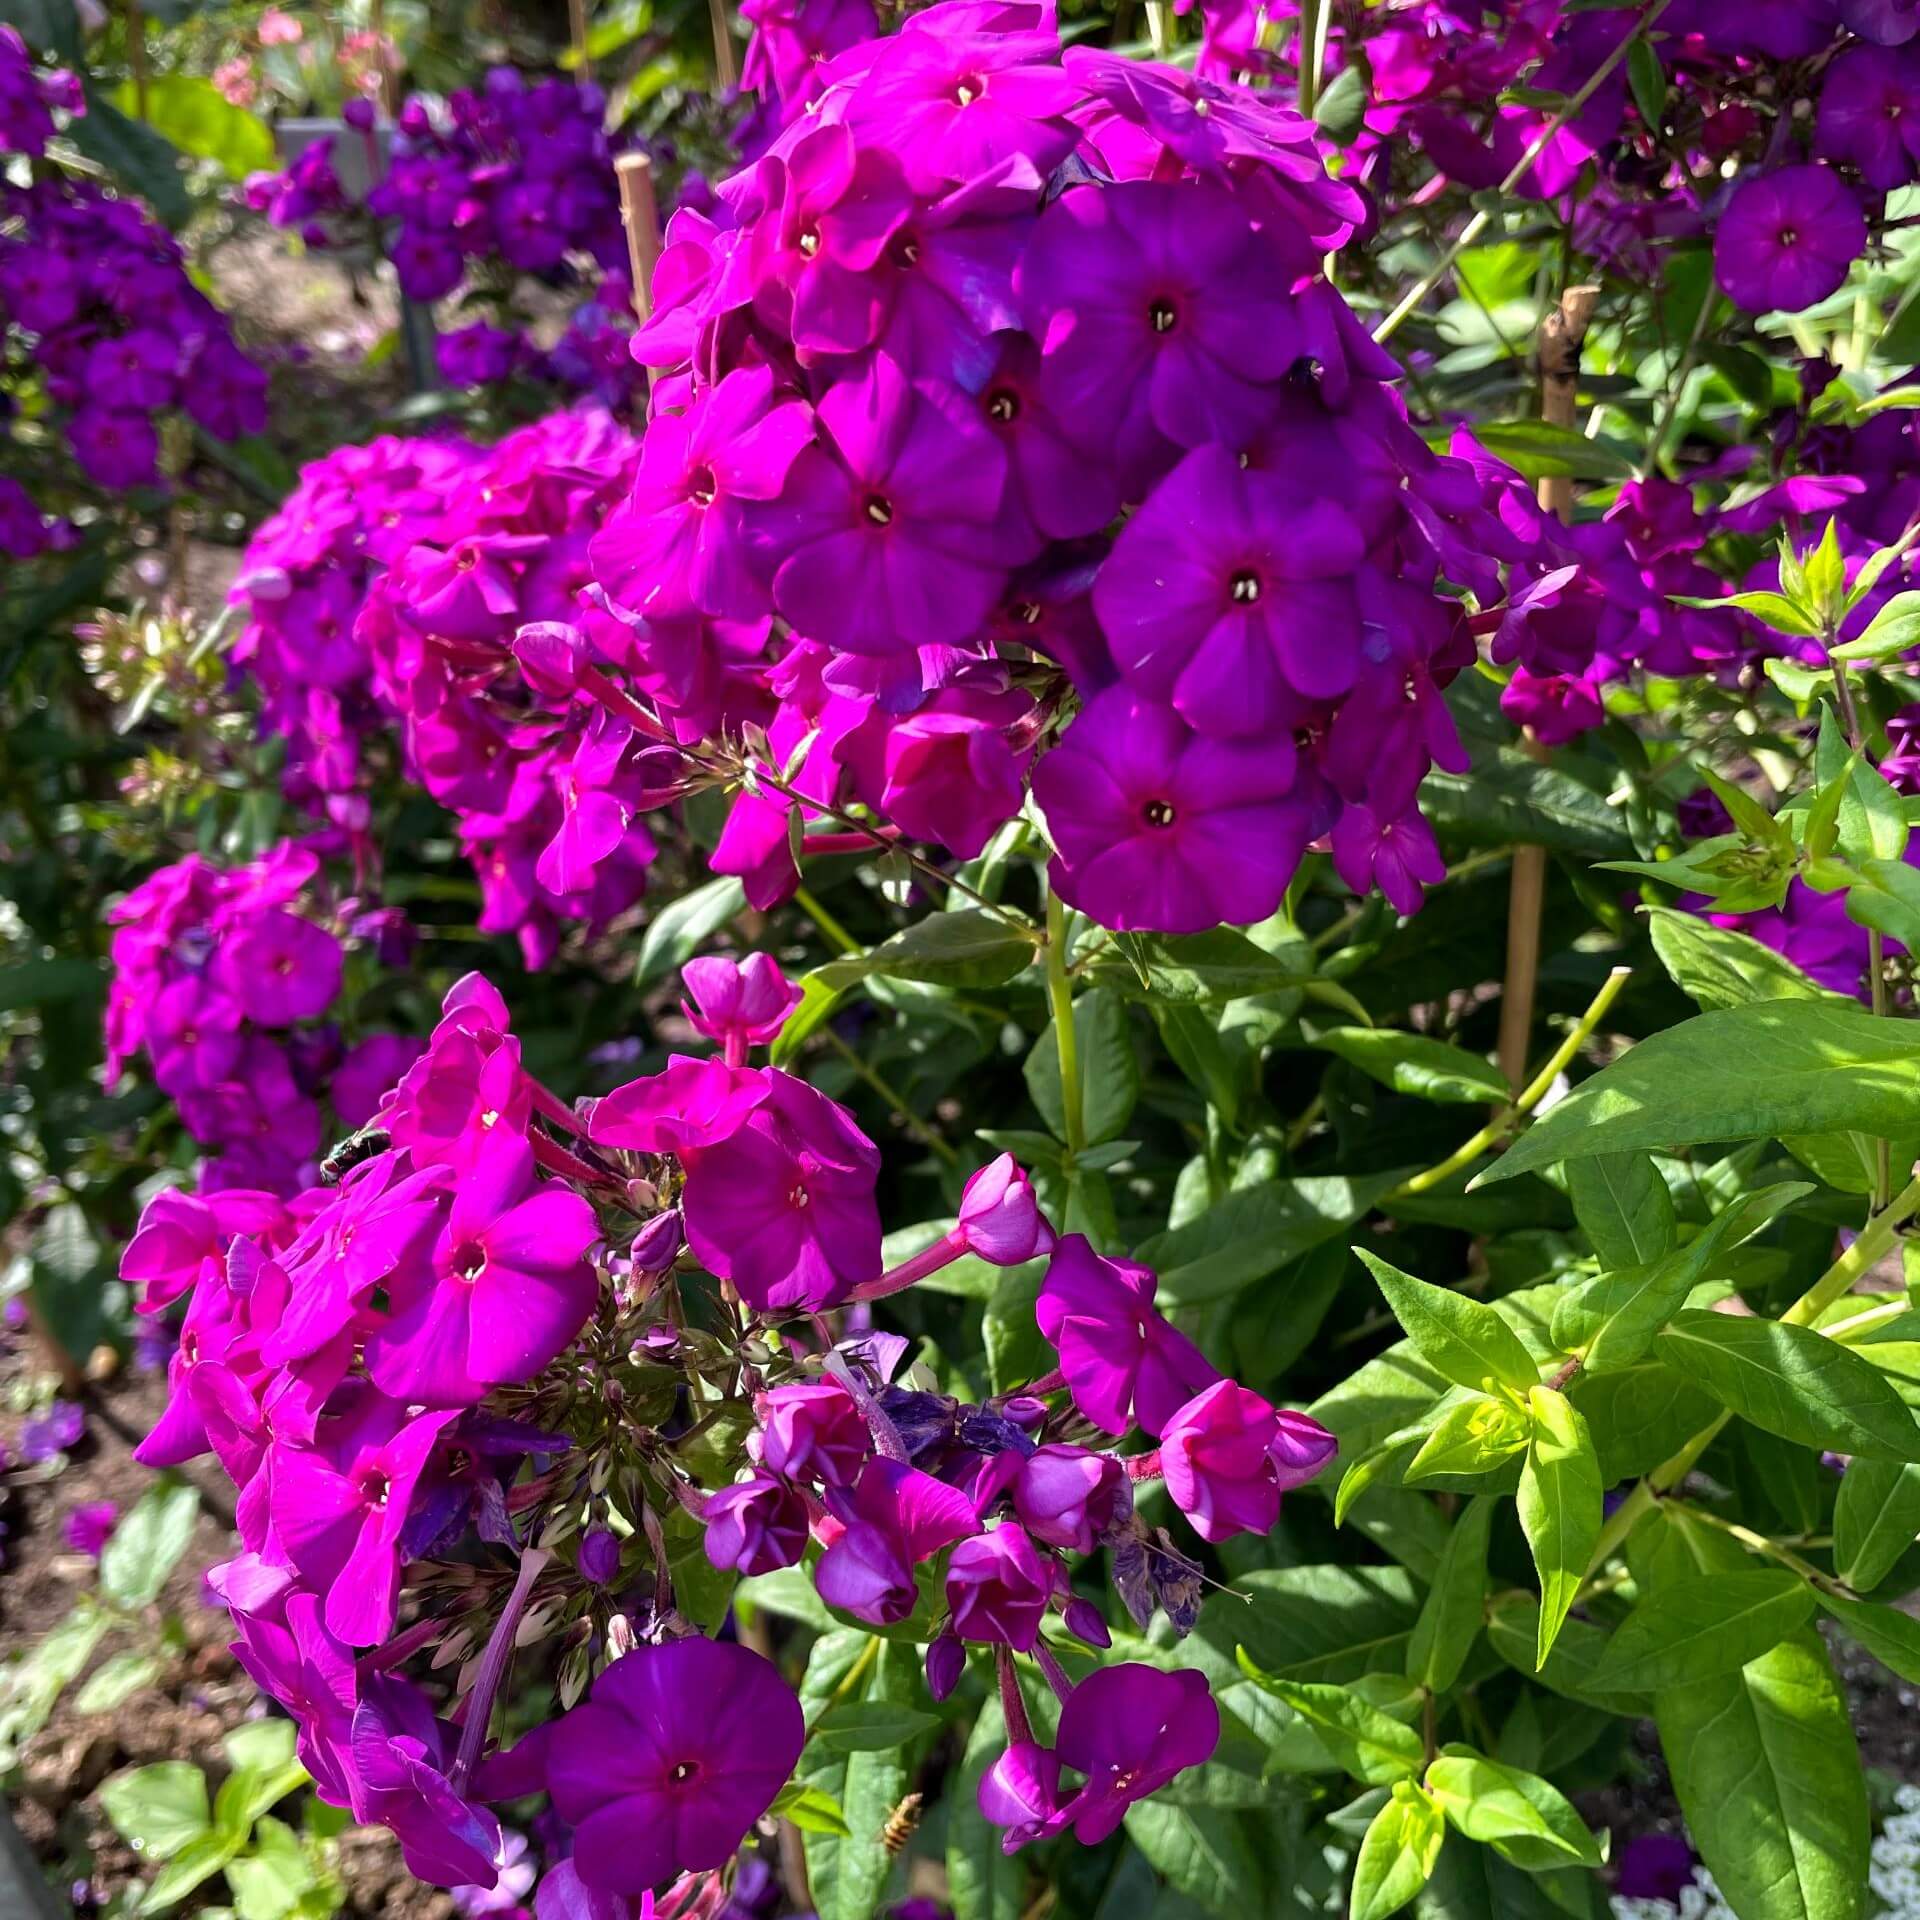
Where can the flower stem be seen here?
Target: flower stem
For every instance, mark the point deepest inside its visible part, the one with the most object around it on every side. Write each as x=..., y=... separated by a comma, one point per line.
x=493, y=1669
x=1060, y=999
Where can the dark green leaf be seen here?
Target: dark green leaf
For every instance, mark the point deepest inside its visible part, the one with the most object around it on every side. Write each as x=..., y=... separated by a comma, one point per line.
x=1892, y=1637
x=1537, y=448
x=1204, y=1853
x=1722, y=967
x=1690, y=1629
x=1793, y=1382
x=1411, y=1063
x=684, y=925
x=983, y=1883
x=1371, y=1745
x=1254, y=1232
x=1109, y=1068
x=140, y=160
x=1451, y=1617
x=1219, y=965
x=1768, y=1776
x=1743, y=1073
x=872, y=1726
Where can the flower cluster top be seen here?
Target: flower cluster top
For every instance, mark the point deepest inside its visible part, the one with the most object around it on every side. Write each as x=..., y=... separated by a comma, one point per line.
x=469, y=1375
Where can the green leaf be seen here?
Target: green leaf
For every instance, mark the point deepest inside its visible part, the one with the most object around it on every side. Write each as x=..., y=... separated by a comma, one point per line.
x=31, y=1683
x=1341, y=110
x=146, y=1546
x=157, y=1809
x=1518, y=1815
x=47, y=26
x=1722, y=967
x=1689, y=1629
x=1892, y=1637
x=1560, y=1495
x=1876, y=1518
x=1397, y=1854
x=1769, y=1779
x=818, y=998
x=1472, y=1436
x=115, y=1680
x=811, y=1810
x=1614, y=1319
x=142, y=162
x=1775, y=609
x=1623, y=1206
x=197, y=118
x=1464, y=1339
x=1451, y=1618
x=1372, y=1746
x=1109, y=1068
x=969, y=948
x=983, y=1883
x=872, y=1726
x=268, y=1882
x=684, y=925
x=260, y=1746
x=1792, y=1381
x=1411, y=1063
x=1510, y=799
x=1251, y=1233
x=1204, y=1853
x=1219, y=965
x=1891, y=632
x=1743, y=1073
x=1323, y=1623
x=1648, y=81
x=199, y=1860
x=1538, y=449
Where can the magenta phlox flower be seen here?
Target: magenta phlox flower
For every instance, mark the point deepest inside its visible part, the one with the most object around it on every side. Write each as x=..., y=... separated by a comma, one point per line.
x=741, y=1004
x=1162, y=315
x=668, y=1763
x=999, y=1586
x=338, y=1514
x=279, y=968
x=693, y=1104
x=893, y=1518
x=784, y=1205
x=287, y=1650
x=1228, y=1456
x=1124, y=1362
x=1399, y=856
x=755, y=1526
x=1068, y=1497
x=1158, y=826
x=999, y=1218
x=1787, y=239
x=893, y=538
x=509, y=1286
x=1129, y=1729
x=400, y=1756
x=810, y=1431
x=1021, y=1792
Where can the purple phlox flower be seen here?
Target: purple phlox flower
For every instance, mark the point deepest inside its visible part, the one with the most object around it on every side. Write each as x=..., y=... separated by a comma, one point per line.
x=894, y=1517
x=784, y=1206
x=1071, y=1498
x=509, y=1285
x=694, y=1104
x=340, y=1524
x=999, y=1586
x=1397, y=856
x=88, y=1528
x=1157, y=826
x=741, y=1004
x=54, y=1431
x=370, y=1072
x=1870, y=114
x=680, y=543
x=400, y=1758
x=1123, y=1361
x=810, y=1432
x=946, y=1662
x=1129, y=1729
x=670, y=1760
x=756, y=1525
x=305, y=1668
x=952, y=770
x=1021, y=1792
x=1787, y=239
x=1163, y=319
x=1000, y=1219
x=1228, y=1456
x=894, y=537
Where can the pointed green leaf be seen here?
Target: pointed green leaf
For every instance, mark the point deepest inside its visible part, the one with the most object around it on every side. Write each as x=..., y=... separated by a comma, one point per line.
x=1768, y=1776
x=1793, y=1382
x=1722, y=967
x=1560, y=1497
x=1624, y=1208
x=1474, y=1436
x=1465, y=1339
x=1892, y=1637
x=1517, y=1814
x=1397, y=1854
x=146, y=1546
x=1709, y=1624
x=1413, y=1063
x=1876, y=1518
x=1451, y=1617
x=1372, y=1746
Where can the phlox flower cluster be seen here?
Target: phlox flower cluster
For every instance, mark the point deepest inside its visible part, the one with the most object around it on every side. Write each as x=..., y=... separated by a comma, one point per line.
x=548, y=788
x=460, y=1379
x=97, y=308
x=30, y=96
x=1005, y=390
x=225, y=985
x=512, y=177
x=305, y=578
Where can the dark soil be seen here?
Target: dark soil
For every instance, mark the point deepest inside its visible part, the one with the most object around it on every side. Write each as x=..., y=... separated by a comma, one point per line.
x=199, y=1696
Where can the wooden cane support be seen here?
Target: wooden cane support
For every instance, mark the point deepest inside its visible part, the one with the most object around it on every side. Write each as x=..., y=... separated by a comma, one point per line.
x=1561, y=335
x=640, y=212
x=726, y=69
x=577, y=22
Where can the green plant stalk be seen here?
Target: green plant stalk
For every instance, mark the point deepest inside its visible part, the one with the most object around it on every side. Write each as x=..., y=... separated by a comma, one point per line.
x=1771, y=1549
x=836, y=935
x=1530, y=1095
x=888, y=1092
x=1314, y=18
x=1521, y=168
x=1682, y=373
x=1060, y=999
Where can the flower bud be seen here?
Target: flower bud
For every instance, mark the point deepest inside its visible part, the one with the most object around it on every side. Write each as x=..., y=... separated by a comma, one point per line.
x=1084, y=1622
x=756, y=1526
x=1068, y=1497
x=946, y=1661
x=810, y=1431
x=1000, y=1219
x=657, y=1245
x=551, y=654
x=600, y=1556
x=998, y=1587
x=740, y=1005
x=1228, y=1456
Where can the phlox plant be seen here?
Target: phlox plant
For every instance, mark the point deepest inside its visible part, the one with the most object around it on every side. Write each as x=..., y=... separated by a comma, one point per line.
x=1180, y=1150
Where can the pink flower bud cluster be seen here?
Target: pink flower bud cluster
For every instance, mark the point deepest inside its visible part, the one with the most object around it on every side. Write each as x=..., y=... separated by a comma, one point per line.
x=449, y=1395
x=225, y=984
